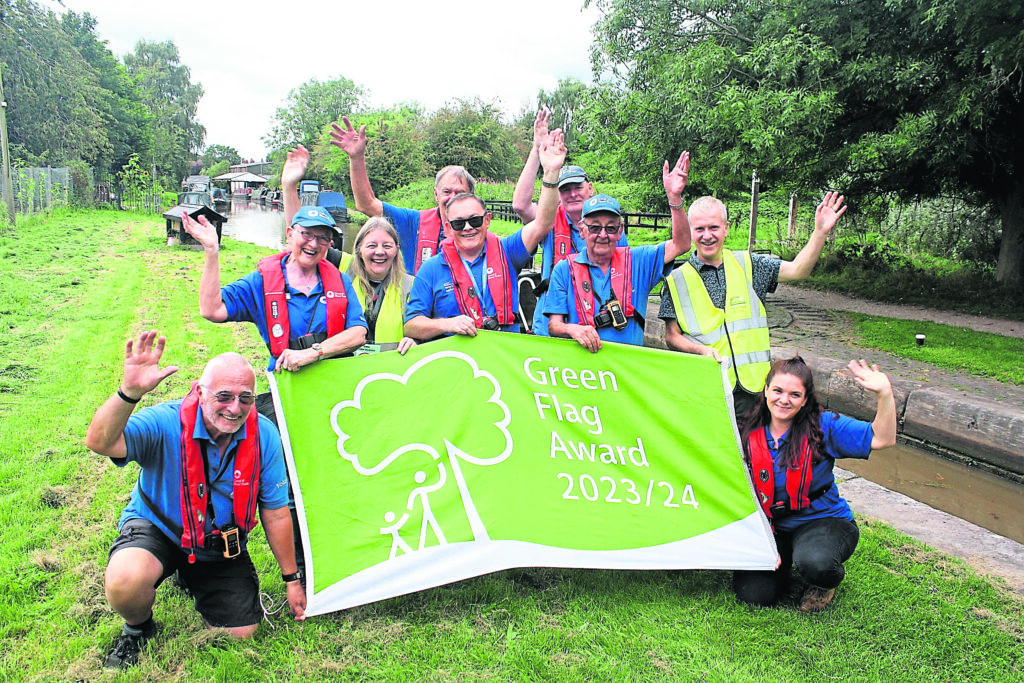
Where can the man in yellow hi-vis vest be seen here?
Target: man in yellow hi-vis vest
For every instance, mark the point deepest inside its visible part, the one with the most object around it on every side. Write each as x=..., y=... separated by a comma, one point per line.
x=714, y=303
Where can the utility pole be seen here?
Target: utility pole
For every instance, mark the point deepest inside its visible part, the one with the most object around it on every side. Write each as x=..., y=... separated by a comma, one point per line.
x=6, y=179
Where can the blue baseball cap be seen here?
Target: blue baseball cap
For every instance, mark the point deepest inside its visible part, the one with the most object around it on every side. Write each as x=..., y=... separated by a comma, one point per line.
x=571, y=174
x=314, y=217
x=601, y=202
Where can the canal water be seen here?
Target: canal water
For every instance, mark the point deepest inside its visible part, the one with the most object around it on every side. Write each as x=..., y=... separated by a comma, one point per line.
x=979, y=497
x=990, y=501
x=262, y=225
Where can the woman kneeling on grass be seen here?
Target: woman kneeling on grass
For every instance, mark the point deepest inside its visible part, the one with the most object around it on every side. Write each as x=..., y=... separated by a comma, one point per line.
x=791, y=444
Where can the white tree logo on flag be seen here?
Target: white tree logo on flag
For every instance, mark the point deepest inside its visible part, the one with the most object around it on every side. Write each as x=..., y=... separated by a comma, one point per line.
x=379, y=443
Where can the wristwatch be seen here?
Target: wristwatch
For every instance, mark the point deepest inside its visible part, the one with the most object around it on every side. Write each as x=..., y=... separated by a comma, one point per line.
x=319, y=350
x=297, y=575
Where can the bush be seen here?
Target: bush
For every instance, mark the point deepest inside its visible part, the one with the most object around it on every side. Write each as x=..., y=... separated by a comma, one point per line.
x=82, y=188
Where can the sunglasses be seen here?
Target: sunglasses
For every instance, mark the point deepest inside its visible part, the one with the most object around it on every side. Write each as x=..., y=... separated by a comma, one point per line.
x=610, y=230
x=459, y=224
x=226, y=397
x=306, y=236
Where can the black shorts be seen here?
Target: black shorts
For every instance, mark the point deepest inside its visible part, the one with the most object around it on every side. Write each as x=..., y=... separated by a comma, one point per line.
x=226, y=592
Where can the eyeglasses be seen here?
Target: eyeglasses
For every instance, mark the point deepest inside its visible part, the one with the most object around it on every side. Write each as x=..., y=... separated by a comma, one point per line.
x=306, y=236
x=610, y=230
x=459, y=224
x=226, y=397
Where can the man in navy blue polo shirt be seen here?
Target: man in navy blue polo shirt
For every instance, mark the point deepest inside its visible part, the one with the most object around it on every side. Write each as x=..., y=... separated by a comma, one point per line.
x=601, y=293
x=208, y=462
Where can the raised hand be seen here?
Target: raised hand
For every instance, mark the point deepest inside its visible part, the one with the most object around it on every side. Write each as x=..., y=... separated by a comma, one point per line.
x=540, y=127
x=202, y=231
x=675, y=179
x=552, y=150
x=294, y=166
x=870, y=377
x=828, y=212
x=351, y=141
x=142, y=372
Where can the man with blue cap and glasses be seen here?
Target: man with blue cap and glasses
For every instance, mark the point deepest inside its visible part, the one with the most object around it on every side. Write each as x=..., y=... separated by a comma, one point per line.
x=601, y=293
x=574, y=188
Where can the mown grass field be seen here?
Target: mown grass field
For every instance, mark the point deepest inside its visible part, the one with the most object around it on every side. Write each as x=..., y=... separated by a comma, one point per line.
x=75, y=285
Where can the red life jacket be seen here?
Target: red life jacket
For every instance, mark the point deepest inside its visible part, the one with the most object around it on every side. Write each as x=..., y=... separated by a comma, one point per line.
x=428, y=236
x=562, y=238
x=275, y=300
x=622, y=285
x=195, y=488
x=499, y=282
x=798, y=479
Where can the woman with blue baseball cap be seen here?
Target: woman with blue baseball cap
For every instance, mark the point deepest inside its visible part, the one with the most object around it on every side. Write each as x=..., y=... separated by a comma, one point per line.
x=304, y=308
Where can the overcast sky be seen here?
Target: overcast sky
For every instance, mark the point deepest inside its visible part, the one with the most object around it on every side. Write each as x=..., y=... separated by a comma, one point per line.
x=249, y=55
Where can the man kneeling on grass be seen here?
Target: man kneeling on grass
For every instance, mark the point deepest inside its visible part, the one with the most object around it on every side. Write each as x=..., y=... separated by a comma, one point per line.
x=210, y=460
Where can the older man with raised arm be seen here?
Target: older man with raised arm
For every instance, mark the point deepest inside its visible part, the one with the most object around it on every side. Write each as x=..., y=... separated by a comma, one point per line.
x=208, y=462
x=574, y=188
x=420, y=232
x=601, y=293
x=472, y=283
x=714, y=303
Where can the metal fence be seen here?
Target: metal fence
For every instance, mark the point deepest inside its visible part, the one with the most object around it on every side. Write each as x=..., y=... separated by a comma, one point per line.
x=646, y=221
x=40, y=189
x=138, y=201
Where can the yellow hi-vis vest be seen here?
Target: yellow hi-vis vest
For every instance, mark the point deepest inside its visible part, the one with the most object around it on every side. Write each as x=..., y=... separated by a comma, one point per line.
x=391, y=318
x=740, y=332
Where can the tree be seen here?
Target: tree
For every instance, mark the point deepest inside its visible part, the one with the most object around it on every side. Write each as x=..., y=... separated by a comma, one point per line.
x=126, y=122
x=471, y=134
x=394, y=154
x=55, y=100
x=910, y=98
x=216, y=153
x=565, y=102
x=310, y=108
x=171, y=99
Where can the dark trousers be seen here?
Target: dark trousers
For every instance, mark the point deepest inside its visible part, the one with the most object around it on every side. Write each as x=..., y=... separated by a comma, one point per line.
x=818, y=549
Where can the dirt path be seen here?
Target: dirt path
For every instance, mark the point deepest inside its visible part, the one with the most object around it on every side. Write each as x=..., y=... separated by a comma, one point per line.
x=791, y=294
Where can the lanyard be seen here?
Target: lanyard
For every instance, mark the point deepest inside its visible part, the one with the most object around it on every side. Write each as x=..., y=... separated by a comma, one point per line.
x=484, y=292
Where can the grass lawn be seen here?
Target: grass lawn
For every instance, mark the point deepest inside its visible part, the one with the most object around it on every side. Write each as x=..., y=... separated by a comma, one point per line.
x=75, y=285
x=956, y=348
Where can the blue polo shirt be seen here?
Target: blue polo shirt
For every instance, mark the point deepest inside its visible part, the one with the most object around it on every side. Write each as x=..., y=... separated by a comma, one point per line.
x=307, y=313
x=844, y=437
x=433, y=290
x=407, y=224
x=540, y=321
x=648, y=267
x=153, y=439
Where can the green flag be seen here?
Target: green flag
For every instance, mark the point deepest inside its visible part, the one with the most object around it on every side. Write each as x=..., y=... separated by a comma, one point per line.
x=471, y=455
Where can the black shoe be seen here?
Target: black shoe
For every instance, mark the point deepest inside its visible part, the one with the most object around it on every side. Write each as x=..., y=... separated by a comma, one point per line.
x=126, y=650
x=179, y=583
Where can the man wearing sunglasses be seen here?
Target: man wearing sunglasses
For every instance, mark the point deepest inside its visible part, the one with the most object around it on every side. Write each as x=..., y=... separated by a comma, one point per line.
x=472, y=283
x=601, y=293
x=193, y=519
x=574, y=188
x=419, y=232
